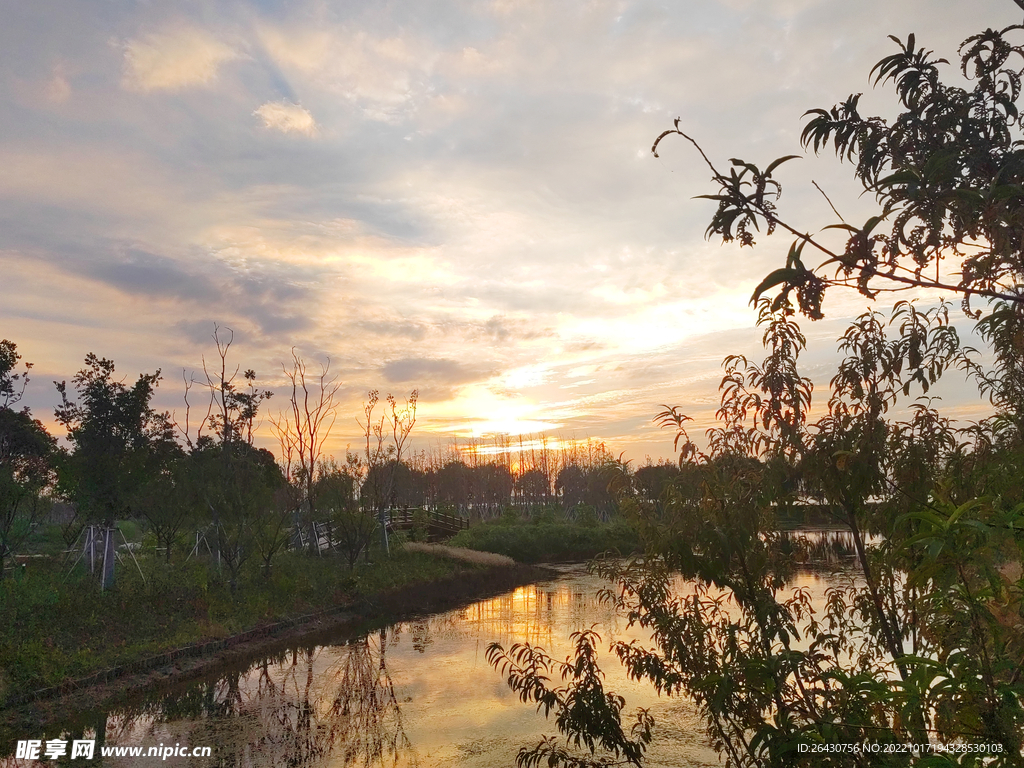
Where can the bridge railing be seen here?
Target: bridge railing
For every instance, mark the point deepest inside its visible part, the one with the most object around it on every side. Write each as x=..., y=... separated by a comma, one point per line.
x=407, y=518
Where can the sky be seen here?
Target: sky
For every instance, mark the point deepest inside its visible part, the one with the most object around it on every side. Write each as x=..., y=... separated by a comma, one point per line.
x=456, y=197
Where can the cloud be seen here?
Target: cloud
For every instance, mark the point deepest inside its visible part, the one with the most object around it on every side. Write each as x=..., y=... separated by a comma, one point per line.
x=386, y=76
x=405, y=329
x=144, y=273
x=175, y=59
x=416, y=369
x=287, y=117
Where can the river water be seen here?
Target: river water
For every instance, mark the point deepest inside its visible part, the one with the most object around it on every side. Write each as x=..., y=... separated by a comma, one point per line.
x=416, y=693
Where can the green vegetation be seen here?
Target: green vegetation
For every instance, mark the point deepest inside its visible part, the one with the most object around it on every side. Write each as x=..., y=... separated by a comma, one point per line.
x=547, y=540
x=56, y=629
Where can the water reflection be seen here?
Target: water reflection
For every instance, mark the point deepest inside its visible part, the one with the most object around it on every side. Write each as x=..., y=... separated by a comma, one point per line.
x=308, y=707
x=418, y=693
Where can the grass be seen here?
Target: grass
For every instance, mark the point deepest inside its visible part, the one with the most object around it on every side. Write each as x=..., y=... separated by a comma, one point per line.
x=461, y=554
x=58, y=627
x=548, y=541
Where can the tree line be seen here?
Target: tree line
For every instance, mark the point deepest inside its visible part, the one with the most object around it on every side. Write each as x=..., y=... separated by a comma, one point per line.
x=201, y=487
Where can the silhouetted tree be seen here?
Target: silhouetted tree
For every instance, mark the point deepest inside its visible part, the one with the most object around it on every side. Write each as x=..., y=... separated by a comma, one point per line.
x=26, y=457
x=533, y=487
x=385, y=445
x=352, y=526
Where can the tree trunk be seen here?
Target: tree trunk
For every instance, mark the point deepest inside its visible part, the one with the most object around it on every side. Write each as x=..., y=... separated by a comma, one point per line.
x=109, y=553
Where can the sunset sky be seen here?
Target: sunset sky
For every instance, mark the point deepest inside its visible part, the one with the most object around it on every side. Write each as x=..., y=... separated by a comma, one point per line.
x=457, y=197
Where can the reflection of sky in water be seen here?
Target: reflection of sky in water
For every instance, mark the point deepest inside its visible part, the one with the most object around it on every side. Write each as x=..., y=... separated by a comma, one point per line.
x=419, y=693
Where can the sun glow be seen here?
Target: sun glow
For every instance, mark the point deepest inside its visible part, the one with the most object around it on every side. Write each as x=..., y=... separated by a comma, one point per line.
x=518, y=446
x=502, y=426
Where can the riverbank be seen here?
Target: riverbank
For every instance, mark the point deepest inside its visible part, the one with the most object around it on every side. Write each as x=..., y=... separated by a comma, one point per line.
x=122, y=656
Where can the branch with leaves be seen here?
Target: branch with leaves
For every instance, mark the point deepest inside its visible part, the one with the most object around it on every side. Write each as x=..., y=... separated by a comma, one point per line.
x=947, y=173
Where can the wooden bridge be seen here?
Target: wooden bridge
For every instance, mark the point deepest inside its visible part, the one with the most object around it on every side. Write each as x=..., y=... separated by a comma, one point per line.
x=439, y=525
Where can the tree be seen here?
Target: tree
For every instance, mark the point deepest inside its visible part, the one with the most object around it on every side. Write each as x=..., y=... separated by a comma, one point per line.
x=117, y=441
x=490, y=486
x=451, y=484
x=170, y=503
x=237, y=482
x=241, y=489
x=386, y=440
x=571, y=485
x=947, y=173
x=925, y=645
x=533, y=487
x=352, y=527
x=303, y=432
x=653, y=479
x=407, y=484
x=232, y=410
x=26, y=457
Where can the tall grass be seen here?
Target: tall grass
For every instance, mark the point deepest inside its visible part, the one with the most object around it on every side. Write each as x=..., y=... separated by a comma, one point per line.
x=548, y=541
x=461, y=554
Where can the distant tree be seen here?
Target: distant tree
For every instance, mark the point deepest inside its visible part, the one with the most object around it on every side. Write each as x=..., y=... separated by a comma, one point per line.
x=571, y=486
x=26, y=457
x=452, y=484
x=352, y=525
x=407, y=484
x=490, y=486
x=386, y=440
x=533, y=487
x=653, y=479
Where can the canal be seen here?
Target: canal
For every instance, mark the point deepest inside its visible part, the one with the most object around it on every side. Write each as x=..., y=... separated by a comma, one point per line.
x=415, y=693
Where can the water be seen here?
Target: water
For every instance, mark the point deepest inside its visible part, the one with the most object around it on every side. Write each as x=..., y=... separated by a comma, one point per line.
x=416, y=693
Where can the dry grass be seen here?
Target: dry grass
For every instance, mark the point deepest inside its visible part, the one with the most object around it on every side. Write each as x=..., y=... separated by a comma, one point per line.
x=458, y=553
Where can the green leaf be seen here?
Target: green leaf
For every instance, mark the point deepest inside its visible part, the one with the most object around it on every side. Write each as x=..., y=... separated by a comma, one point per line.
x=776, y=163
x=777, y=277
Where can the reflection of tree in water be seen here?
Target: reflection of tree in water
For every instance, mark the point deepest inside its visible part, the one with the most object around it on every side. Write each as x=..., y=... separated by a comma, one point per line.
x=365, y=711
x=815, y=549
x=296, y=710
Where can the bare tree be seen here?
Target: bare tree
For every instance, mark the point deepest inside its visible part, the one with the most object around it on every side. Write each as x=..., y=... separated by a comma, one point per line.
x=233, y=408
x=383, y=455
x=303, y=432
